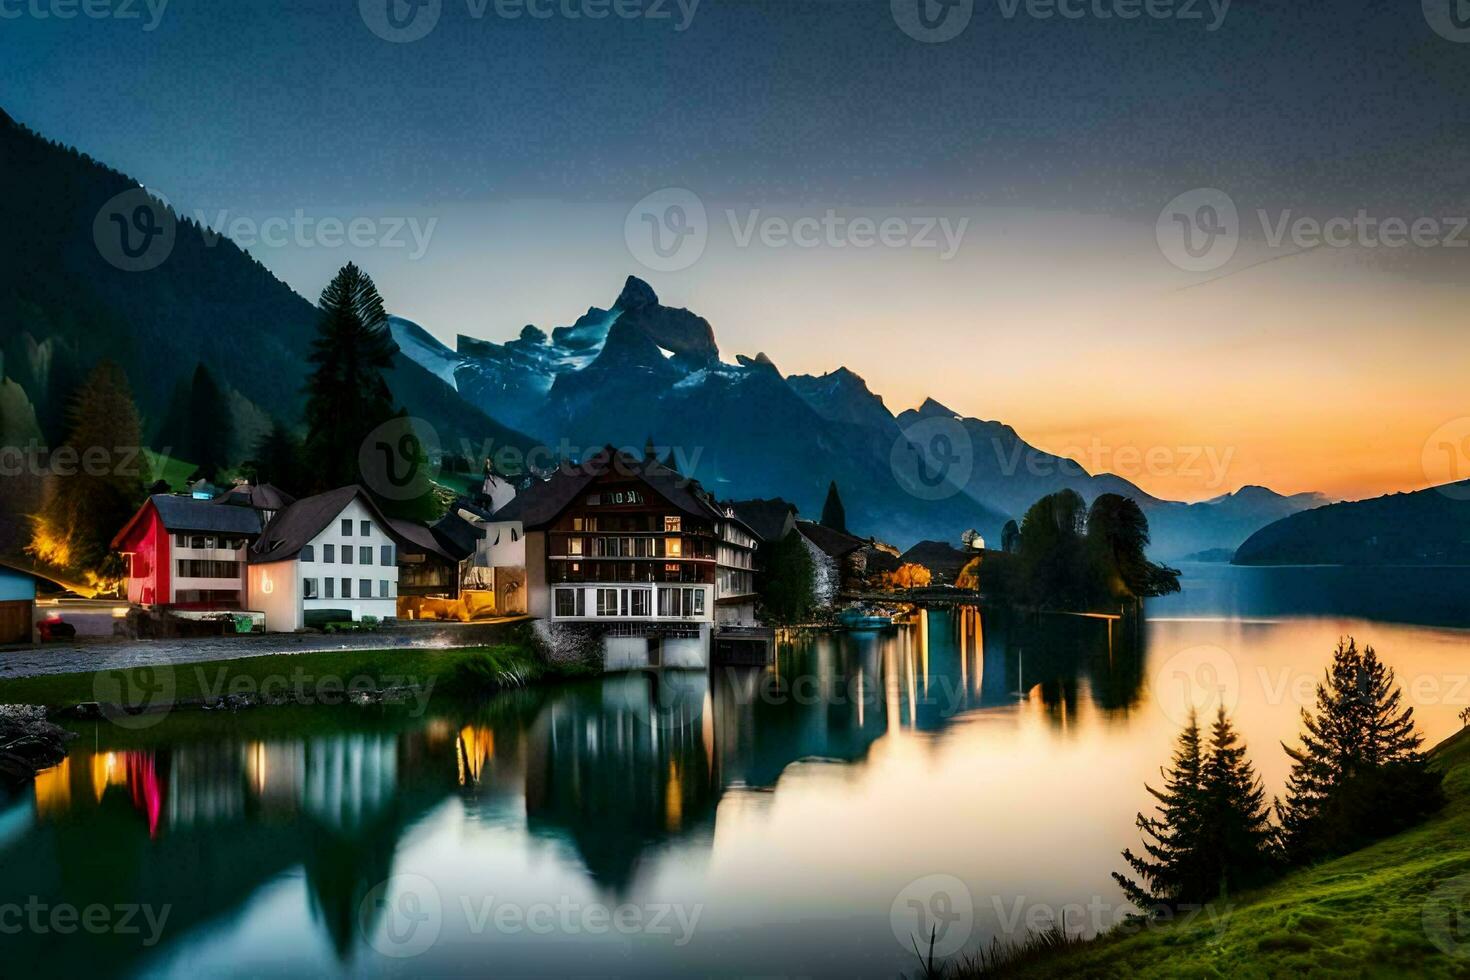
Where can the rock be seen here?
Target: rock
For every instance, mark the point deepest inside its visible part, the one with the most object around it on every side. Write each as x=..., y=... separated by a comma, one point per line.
x=28, y=743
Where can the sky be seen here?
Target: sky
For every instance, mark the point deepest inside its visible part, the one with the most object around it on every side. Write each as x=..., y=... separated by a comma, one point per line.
x=1034, y=177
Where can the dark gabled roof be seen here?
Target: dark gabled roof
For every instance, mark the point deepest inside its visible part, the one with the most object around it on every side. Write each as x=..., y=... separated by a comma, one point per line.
x=767, y=518
x=417, y=537
x=266, y=496
x=180, y=513
x=294, y=527
x=541, y=503
x=834, y=543
x=458, y=536
x=940, y=557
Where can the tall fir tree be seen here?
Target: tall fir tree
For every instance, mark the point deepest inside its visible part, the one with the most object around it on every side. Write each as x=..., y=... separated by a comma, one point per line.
x=90, y=502
x=346, y=394
x=1170, y=869
x=834, y=515
x=1212, y=834
x=1237, y=820
x=210, y=427
x=1359, y=774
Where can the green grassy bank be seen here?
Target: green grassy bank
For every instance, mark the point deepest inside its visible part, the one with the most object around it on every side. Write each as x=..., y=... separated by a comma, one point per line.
x=1377, y=912
x=308, y=678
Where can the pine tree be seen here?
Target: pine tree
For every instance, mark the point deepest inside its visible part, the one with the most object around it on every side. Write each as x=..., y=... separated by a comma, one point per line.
x=1237, y=824
x=1212, y=834
x=346, y=394
x=1359, y=774
x=89, y=503
x=210, y=428
x=1170, y=867
x=834, y=515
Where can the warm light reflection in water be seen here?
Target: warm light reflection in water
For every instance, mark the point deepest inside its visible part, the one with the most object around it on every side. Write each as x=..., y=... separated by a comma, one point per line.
x=792, y=805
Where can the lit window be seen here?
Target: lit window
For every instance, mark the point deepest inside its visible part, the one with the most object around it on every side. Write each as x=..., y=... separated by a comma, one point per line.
x=674, y=547
x=673, y=524
x=574, y=546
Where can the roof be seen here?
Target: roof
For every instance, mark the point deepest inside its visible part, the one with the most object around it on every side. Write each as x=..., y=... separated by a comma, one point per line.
x=31, y=573
x=834, y=543
x=181, y=513
x=543, y=502
x=296, y=526
x=939, y=556
x=880, y=560
x=418, y=537
x=458, y=536
x=266, y=496
x=767, y=518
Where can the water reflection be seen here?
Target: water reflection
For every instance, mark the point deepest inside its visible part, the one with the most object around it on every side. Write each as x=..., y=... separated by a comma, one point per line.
x=793, y=801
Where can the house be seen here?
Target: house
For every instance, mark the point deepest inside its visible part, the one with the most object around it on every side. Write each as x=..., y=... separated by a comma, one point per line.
x=838, y=560
x=18, y=603
x=627, y=543
x=497, y=562
x=429, y=561
x=334, y=553
x=187, y=553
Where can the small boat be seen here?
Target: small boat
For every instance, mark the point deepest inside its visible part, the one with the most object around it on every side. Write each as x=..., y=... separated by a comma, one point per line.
x=857, y=618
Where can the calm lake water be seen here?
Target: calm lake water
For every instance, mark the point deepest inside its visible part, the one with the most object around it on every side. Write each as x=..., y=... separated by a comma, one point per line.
x=968, y=773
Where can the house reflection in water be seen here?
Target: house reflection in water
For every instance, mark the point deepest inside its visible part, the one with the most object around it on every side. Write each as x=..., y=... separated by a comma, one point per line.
x=619, y=768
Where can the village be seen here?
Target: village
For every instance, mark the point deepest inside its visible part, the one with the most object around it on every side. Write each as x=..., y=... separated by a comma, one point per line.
x=620, y=550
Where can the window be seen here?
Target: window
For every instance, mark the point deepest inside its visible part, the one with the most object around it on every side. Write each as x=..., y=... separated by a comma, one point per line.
x=365, y=528
x=571, y=602
x=694, y=602
x=364, y=588
x=197, y=541
x=329, y=552
x=331, y=584
x=642, y=602
x=346, y=527
x=347, y=554
x=365, y=555
x=674, y=547
x=579, y=524
x=382, y=588
x=607, y=602
x=182, y=540
x=574, y=546
x=385, y=555
x=204, y=568
x=673, y=524
x=668, y=603
x=308, y=588
x=347, y=588
x=308, y=553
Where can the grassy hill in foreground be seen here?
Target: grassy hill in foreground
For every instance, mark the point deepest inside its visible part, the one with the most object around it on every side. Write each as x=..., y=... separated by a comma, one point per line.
x=1375, y=912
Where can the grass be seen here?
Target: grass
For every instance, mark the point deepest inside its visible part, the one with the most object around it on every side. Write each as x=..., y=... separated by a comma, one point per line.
x=321, y=676
x=1373, y=913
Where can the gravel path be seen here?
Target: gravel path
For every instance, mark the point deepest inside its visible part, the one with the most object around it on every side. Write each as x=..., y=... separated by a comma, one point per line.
x=67, y=658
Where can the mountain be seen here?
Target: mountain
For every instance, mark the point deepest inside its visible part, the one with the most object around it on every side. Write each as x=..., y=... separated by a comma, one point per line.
x=641, y=370
x=1427, y=527
x=69, y=297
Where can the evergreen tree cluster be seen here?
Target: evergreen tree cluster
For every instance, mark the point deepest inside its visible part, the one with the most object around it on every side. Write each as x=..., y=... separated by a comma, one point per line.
x=1357, y=777
x=785, y=582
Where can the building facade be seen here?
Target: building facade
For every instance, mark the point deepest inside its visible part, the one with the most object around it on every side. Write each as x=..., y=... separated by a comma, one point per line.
x=188, y=553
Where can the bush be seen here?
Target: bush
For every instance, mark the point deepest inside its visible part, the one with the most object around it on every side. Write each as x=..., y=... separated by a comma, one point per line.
x=495, y=669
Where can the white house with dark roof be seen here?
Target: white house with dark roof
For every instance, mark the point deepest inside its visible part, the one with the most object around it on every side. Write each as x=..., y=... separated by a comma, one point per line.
x=334, y=551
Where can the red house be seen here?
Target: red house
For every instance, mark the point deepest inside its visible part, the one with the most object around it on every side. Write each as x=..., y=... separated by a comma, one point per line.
x=189, y=553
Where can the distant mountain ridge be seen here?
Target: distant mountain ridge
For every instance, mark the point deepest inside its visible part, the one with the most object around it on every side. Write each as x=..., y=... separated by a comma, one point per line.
x=641, y=370
x=1426, y=527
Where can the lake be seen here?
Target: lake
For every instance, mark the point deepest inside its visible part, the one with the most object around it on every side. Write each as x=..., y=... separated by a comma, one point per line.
x=969, y=774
